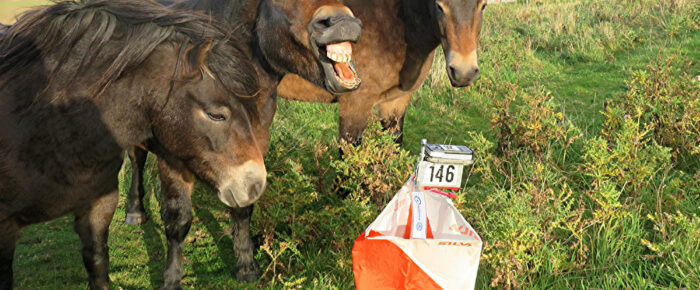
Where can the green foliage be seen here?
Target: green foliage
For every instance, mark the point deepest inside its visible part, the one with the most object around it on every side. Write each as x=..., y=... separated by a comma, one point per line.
x=302, y=218
x=676, y=244
x=527, y=207
x=595, y=30
x=542, y=214
x=376, y=169
x=664, y=99
x=306, y=215
x=529, y=120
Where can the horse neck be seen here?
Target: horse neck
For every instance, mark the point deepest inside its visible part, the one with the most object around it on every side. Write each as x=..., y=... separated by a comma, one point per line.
x=241, y=15
x=69, y=132
x=236, y=13
x=422, y=29
x=124, y=106
x=267, y=75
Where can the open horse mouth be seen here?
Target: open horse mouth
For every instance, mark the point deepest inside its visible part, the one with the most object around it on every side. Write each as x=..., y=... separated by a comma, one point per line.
x=340, y=57
x=339, y=66
x=332, y=32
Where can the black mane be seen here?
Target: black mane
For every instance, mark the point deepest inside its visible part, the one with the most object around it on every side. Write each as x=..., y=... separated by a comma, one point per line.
x=243, y=12
x=79, y=31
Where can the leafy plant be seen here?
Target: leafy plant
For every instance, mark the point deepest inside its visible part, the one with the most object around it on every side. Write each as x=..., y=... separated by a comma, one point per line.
x=374, y=169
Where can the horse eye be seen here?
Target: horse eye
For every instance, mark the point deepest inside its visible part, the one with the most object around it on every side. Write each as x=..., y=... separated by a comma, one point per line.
x=216, y=117
x=439, y=7
x=483, y=7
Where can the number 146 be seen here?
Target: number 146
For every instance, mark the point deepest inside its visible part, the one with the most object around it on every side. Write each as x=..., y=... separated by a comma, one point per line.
x=442, y=174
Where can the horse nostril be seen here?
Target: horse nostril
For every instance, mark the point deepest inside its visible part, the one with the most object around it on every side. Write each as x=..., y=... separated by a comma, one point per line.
x=476, y=71
x=256, y=189
x=452, y=72
x=324, y=22
x=332, y=20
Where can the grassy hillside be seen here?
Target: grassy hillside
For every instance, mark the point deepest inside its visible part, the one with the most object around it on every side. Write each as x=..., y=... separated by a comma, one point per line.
x=586, y=122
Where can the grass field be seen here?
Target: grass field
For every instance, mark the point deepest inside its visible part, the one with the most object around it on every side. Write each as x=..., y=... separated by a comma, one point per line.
x=586, y=122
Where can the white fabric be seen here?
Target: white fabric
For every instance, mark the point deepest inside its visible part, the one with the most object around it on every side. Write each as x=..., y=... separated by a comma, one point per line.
x=451, y=258
x=419, y=224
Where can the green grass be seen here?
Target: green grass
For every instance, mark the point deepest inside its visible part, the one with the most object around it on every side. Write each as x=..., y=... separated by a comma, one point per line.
x=581, y=53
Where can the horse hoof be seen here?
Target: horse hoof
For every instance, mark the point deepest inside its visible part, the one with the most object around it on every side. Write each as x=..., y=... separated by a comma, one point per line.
x=248, y=275
x=135, y=218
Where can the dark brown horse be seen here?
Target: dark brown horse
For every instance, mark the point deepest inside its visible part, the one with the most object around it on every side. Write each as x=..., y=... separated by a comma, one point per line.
x=395, y=56
x=82, y=81
x=310, y=38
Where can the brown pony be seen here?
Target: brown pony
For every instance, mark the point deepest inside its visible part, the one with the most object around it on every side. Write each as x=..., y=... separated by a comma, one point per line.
x=310, y=38
x=395, y=56
x=82, y=81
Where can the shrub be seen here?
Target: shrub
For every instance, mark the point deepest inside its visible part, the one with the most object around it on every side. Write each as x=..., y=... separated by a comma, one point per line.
x=663, y=100
x=376, y=169
x=620, y=198
x=305, y=215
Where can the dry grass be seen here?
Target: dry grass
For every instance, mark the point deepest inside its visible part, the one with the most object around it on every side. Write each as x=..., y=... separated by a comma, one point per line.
x=9, y=9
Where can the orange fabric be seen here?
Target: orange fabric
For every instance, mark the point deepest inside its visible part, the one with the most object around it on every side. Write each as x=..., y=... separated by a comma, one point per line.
x=429, y=233
x=379, y=264
x=372, y=234
x=407, y=234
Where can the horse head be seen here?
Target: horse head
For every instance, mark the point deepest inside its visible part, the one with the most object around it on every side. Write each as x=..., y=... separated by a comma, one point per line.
x=311, y=38
x=459, y=23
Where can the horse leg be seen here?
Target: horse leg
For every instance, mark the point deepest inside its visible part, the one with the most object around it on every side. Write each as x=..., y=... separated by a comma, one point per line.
x=92, y=225
x=354, y=114
x=246, y=267
x=177, y=183
x=135, y=212
x=391, y=114
x=9, y=232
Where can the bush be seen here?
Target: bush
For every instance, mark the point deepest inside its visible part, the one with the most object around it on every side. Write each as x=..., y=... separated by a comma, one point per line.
x=615, y=200
x=664, y=101
x=376, y=169
x=306, y=215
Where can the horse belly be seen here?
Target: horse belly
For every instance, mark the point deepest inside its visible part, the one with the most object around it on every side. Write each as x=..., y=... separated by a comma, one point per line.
x=35, y=199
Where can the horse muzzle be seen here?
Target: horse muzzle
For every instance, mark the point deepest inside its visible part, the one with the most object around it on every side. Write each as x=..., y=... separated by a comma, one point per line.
x=245, y=185
x=462, y=70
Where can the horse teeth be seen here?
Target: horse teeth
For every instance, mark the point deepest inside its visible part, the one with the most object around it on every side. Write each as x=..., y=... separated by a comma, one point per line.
x=339, y=56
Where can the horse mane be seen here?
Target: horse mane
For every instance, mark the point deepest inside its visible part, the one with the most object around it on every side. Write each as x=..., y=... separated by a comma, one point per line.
x=79, y=31
x=242, y=13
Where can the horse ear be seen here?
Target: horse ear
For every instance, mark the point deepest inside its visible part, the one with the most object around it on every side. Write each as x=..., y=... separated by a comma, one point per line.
x=197, y=59
x=203, y=52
